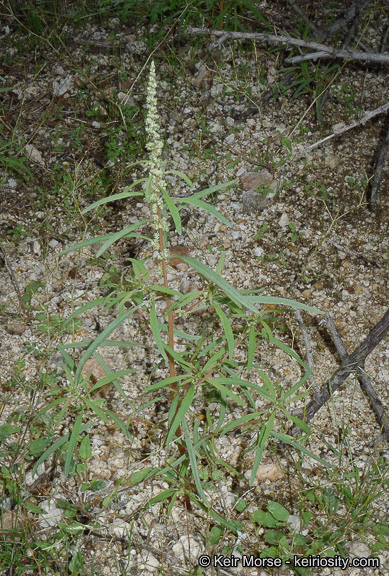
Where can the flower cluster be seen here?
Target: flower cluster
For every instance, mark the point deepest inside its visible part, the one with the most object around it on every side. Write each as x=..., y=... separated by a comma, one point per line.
x=154, y=146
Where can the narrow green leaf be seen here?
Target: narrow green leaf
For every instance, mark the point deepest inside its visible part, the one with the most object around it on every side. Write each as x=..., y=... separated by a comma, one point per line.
x=181, y=175
x=205, y=206
x=289, y=351
x=214, y=382
x=220, y=264
x=251, y=348
x=243, y=420
x=119, y=422
x=165, y=495
x=227, y=329
x=210, y=275
x=262, y=439
x=108, y=371
x=97, y=410
x=193, y=463
x=183, y=378
x=301, y=448
x=85, y=307
x=298, y=384
x=115, y=197
x=73, y=442
x=48, y=407
x=117, y=235
x=110, y=377
x=95, y=240
x=180, y=415
x=303, y=425
x=211, y=190
x=155, y=330
x=164, y=290
x=173, y=211
x=142, y=475
x=283, y=302
x=99, y=340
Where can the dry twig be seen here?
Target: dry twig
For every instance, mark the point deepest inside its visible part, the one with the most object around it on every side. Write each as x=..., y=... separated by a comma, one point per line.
x=363, y=378
x=323, y=51
x=354, y=363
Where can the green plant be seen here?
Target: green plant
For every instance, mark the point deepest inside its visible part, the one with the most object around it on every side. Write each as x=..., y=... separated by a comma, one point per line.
x=204, y=368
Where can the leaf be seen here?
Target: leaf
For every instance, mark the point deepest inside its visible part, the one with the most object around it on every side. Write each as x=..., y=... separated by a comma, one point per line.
x=226, y=391
x=220, y=264
x=82, y=309
x=95, y=240
x=239, y=421
x=251, y=348
x=283, y=302
x=142, y=475
x=227, y=329
x=167, y=381
x=215, y=535
x=37, y=446
x=261, y=443
x=30, y=507
x=155, y=330
x=264, y=519
x=180, y=415
x=286, y=142
x=72, y=443
x=110, y=377
x=181, y=175
x=85, y=450
x=210, y=275
x=301, y=448
x=99, y=340
x=204, y=206
x=117, y=235
x=212, y=189
x=193, y=463
x=278, y=511
x=55, y=446
x=173, y=211
x=115, y=197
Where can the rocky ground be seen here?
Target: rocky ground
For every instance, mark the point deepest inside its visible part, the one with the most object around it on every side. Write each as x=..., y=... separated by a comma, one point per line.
x=312, y=238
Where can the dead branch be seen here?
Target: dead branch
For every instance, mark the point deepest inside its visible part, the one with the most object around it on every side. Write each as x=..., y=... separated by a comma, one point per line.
x=363, y=378
x=354, y=363
x=327, y=51
x=368, y=116
x=378, y=169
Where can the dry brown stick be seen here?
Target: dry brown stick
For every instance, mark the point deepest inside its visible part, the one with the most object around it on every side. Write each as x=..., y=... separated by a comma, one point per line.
x=375, y=182
x=363, y=378
x=368, y=116
x=356, y=360
x=324, y=51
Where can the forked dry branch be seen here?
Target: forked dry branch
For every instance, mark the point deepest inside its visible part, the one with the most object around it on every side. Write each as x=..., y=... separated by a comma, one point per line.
x=350, y=364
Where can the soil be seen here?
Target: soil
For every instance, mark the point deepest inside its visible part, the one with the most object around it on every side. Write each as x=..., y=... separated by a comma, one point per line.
x=313, y=239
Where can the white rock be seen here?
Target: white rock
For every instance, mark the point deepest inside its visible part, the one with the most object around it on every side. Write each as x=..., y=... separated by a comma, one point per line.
x=120, y=528
x=60, y=87
x=33, y=154
x=188, y=547
x=53, y=514
x=284, y=220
